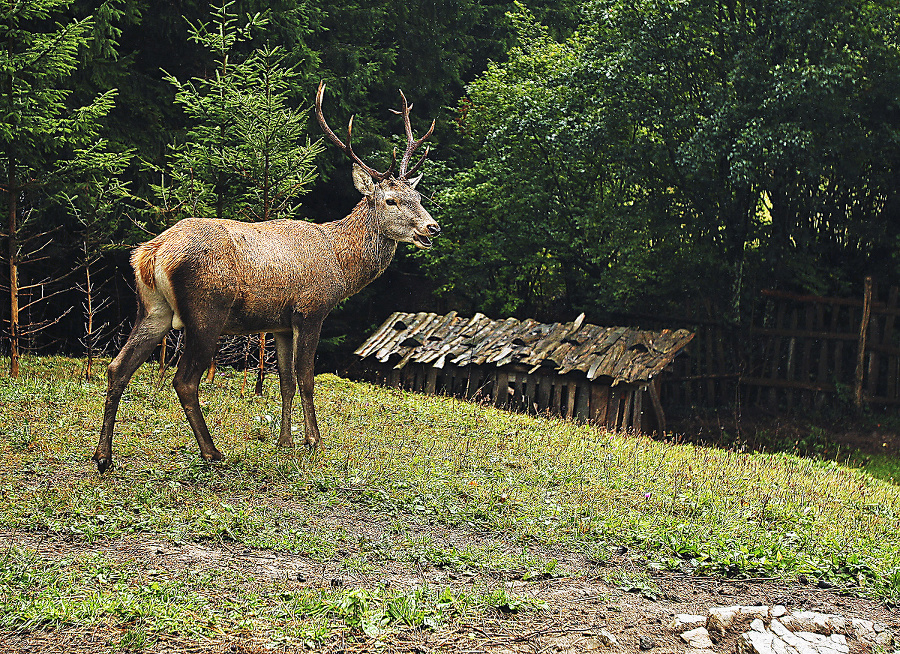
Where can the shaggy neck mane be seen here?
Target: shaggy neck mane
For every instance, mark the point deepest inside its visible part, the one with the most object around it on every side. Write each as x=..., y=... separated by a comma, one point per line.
x=363, y=252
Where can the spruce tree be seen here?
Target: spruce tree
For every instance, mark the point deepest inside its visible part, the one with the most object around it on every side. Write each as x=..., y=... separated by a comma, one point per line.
x=245, y=154
x=43, y=138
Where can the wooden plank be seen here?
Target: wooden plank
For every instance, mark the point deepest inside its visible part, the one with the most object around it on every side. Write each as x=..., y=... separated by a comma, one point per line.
x=582, y=400
x=627, y=404
x=556, y=397
x=887, y=338
x=531, y=394
x=710, y=365
x=805, y=333
x=722, y=365
x=806, y=355
x=394, y=378
x=653, y=390
x=838, y=361
x=599, y=402
x=571, y=387
x=768, y=382
x=873, y=358
x=775, y=357
x=637, y=419
x=543, y=393
x=796, y=297
x=791, y=368
x=823, y=364
x=861, y=345
x=612, y=416
x=501, y=389
x=431, y=380
x=516, y=381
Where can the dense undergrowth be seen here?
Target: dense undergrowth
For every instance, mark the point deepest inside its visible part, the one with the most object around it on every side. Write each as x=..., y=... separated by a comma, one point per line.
x=541, y=484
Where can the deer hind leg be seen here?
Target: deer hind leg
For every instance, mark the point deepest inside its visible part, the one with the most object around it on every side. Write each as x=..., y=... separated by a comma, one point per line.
x=149, y=330
x=199, y=348
x=306, y=339
x=287, y=377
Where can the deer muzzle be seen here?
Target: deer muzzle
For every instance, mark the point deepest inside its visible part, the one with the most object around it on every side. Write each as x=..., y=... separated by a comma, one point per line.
x=423, y=241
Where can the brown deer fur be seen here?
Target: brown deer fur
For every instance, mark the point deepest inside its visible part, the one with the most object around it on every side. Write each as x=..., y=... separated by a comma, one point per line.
x=212, y=277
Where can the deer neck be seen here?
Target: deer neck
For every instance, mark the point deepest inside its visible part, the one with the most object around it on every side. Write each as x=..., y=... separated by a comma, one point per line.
x=362, y=251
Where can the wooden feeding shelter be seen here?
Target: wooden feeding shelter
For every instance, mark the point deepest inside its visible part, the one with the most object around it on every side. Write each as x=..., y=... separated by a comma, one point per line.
x=606, y=375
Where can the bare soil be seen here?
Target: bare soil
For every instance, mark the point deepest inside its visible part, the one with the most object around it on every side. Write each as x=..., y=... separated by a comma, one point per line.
x=579, y=603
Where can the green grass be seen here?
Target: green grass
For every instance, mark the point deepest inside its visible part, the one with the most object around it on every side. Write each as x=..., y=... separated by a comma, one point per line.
x=538, y=485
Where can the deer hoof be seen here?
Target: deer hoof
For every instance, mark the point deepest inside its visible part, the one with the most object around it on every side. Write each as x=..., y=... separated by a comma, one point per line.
x=103, y=464
x=286, y=443
x=215, y=455
x=310, y=446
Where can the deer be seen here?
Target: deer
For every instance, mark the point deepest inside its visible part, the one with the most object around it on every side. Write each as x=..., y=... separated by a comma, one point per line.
x=210, y=277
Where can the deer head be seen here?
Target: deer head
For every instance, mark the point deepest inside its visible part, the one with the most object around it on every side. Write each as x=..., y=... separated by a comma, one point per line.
x=393, y=201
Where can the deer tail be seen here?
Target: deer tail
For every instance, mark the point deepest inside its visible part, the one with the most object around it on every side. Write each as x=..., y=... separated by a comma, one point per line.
x=143, y=260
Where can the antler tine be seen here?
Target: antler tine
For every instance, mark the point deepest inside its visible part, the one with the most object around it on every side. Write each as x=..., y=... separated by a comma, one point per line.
x=412, y=171
x=412, y=144
x=348, y=150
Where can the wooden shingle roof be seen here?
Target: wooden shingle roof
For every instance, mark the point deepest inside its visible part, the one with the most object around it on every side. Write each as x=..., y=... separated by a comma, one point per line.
x=621, y=353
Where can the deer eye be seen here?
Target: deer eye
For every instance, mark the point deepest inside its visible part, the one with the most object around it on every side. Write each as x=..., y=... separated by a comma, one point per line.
x=391, y=201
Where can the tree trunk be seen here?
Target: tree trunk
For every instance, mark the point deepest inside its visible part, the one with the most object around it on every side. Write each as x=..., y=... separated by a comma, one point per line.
x=261, y=373
x=13, y=244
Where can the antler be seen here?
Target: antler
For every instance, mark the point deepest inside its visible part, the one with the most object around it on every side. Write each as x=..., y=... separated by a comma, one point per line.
x=348, y=149
x=411, y=143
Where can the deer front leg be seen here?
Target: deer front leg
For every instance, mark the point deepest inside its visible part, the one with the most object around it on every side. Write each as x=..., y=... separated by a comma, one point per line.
x=306, y=339
x=198, y=352
x=148, y=332
x=284, y=347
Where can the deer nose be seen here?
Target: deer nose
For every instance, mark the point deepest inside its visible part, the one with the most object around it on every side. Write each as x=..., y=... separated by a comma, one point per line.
x=434, y=230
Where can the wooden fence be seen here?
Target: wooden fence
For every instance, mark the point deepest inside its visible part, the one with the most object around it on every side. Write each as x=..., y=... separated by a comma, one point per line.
x=799, y=351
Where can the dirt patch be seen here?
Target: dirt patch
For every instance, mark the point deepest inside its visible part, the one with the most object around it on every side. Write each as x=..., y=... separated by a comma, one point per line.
x=579, y=603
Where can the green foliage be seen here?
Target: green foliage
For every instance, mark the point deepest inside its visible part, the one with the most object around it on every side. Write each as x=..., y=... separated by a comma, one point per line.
x=667, y=150
x=244, y=154
x=50, y=143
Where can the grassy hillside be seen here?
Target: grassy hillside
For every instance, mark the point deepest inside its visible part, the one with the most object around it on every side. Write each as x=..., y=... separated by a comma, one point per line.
x=534, y=485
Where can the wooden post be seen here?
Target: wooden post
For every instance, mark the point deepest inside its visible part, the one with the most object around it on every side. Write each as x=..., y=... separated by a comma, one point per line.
x=653, y=388
x=599, y=402
x=861, y=347
x=431, y=380
x=501, y=390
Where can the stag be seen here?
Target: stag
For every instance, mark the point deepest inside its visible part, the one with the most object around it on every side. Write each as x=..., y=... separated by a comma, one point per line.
x=211, y=277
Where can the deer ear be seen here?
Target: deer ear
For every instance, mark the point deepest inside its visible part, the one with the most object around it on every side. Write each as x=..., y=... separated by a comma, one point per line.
x=363, y=181
x=415, y=180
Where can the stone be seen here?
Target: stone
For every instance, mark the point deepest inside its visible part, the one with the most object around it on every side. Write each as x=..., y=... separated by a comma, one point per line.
x=722, y=618
x=698, y=638
x=778, y=610
x=646, y=642
x=760, y=611
x=873, y=633
x=777, y=629
x=885, y=639
x=755, y=642
x=815, y=622
x=758, y=625
x=607, y=638
x=685, y=621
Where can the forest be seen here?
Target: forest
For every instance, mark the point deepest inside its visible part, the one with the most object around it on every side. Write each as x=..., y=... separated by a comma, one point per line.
x=621, y=159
